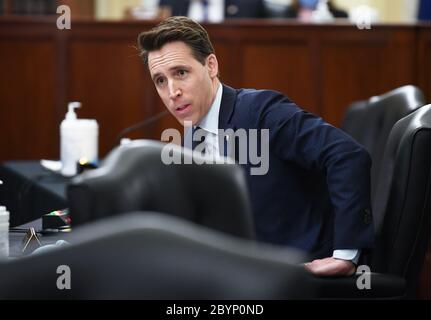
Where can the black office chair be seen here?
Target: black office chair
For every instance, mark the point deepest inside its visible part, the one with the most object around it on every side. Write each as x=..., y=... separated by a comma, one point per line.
x=371, y=121
x=402, y=214
x=154, y=256
x=134, y=178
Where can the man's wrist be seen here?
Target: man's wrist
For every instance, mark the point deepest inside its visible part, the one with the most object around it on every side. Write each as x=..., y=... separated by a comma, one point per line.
x=347, y=254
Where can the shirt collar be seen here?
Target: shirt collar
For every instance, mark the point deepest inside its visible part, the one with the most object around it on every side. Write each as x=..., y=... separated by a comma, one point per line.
x=210, y=121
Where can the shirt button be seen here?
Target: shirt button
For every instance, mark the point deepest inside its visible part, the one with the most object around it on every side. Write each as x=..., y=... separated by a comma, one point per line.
x=367, y=216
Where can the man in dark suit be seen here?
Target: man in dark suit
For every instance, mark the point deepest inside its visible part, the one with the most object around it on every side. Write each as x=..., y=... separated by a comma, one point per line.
x=232, y=8
x=298, y=6
x=315, y=194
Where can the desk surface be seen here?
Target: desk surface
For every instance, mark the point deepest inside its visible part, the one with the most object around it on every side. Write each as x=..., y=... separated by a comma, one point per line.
x=16, y=238
x=33, y=170
x=30, y=191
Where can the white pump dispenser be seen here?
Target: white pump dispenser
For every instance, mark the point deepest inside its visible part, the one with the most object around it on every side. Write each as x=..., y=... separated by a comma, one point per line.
x=71, y=115
x=79, y=139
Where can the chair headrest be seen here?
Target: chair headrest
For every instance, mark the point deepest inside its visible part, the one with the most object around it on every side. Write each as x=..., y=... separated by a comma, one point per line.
x=401, y=205
x=150, y=256
x=134, y=177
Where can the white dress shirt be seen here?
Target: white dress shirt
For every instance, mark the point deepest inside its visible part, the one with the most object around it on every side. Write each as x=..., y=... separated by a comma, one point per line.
x=214, y=11
x=209, y=124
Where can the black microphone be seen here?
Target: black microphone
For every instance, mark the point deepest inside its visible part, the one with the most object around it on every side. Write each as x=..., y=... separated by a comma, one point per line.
x=140, y=125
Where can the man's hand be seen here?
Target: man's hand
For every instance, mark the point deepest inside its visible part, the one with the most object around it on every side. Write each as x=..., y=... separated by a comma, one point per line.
x=331, y=267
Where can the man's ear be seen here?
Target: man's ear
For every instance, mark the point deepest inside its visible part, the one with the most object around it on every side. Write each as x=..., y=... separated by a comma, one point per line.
x=212, y=65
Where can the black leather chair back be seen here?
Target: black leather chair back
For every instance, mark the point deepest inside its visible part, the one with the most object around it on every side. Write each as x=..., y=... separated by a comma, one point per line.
x=370, y=122
x=154, y=256
x=134, y=178
x=402, y=202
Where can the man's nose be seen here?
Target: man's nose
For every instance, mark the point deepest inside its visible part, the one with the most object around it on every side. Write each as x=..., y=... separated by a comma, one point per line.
x=174, y=90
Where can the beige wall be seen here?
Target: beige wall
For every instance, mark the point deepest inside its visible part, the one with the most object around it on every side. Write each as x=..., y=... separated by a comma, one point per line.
x=390, y=10
x=113, y=9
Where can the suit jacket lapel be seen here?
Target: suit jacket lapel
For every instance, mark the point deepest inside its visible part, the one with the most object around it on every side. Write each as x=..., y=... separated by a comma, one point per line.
x=225, y=115
x=226, y=111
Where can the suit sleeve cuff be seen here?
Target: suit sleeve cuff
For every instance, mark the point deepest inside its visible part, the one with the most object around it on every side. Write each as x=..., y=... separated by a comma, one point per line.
x=350, y=254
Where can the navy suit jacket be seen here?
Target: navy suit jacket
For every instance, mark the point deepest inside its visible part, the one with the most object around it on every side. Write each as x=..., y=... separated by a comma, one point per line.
x=316, y=194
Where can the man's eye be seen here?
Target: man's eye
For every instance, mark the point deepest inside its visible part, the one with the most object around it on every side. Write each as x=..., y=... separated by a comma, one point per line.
x=160, y=81
x=182, y=73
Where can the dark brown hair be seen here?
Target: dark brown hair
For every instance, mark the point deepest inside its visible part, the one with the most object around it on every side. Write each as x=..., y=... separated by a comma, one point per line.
x=176, y=29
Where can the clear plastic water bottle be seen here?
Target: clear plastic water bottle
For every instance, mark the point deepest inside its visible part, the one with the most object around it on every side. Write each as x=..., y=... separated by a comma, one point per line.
x=4, y=233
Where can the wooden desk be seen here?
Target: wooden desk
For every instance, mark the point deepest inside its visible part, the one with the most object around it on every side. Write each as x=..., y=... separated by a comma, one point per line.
x=30, y=191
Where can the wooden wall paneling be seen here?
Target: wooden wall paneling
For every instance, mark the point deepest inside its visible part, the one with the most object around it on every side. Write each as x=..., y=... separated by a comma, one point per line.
x=424, y=289
x=227, y=43
x=423, y=65
x=27, y=115
x=228, y=57
x=358, y=65
x=279, y=57
x=283, y=67
x=28, y=64
x=348, y=74
x=401, y=52
x=7, y=6
x=322, y=68
x=61, y=84
x=111, y=86
x=106, y=73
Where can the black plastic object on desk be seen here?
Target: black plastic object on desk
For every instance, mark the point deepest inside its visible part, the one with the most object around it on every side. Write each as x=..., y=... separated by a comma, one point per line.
x=29, y=190
x=56, y=220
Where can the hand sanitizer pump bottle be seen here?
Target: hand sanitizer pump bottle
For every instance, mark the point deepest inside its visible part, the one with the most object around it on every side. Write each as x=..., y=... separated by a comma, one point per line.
x=79, y=140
